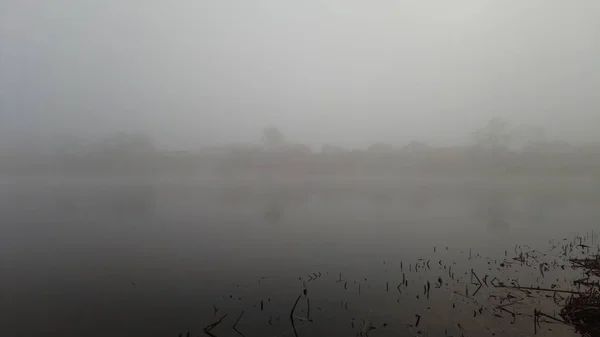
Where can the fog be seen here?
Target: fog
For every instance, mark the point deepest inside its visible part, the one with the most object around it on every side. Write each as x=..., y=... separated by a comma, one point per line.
x=196, y=73
x=169, y=166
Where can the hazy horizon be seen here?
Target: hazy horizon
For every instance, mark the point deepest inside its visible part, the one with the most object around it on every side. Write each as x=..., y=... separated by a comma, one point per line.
x=350, y=73
x=116, y=222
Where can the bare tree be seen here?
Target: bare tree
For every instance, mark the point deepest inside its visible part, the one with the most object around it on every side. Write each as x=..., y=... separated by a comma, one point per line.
x=416, y=146
x=273, y=138
x=496, y=135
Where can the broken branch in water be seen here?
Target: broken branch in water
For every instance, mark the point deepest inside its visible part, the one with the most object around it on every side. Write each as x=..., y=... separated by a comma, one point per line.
x=292, y=314
x=236, y=322
x=213, y=325
x=477, y=290
x=535, y=321
x=537, y=289
x=551, y=317
x=473, y=274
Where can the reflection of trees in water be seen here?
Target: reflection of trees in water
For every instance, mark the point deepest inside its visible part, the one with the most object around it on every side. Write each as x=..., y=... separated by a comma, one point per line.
x=240, y=197
x=540, y=205
x=133, y=200
x=326, y=197
x=273, y=212
x=493, y=208
x=123, y=200
x=111, y=200
x=499, y=207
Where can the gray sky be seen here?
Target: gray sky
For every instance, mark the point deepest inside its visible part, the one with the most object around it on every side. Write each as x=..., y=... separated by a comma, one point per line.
x=194, y=72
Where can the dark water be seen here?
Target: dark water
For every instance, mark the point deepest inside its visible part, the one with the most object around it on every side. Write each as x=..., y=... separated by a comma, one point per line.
x=153, y=257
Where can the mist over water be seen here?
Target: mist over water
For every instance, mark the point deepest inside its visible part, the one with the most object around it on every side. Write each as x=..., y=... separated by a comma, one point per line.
x=153, y=257
x=165, y=164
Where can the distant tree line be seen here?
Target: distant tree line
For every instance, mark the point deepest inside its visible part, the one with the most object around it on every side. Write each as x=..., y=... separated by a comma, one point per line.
x=496, y=136
x=496, y=146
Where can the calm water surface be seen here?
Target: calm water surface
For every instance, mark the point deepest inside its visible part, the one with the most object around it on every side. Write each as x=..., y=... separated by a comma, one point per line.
x=154, y=257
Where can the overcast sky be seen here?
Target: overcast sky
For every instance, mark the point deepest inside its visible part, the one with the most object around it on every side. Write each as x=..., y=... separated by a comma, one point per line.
x=349, y=72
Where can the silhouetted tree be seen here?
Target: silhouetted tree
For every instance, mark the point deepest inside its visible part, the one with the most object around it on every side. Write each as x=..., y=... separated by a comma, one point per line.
x=416, y=146
x=298, y=148
x=273, y=212
x=273, y=138
x=496, y=135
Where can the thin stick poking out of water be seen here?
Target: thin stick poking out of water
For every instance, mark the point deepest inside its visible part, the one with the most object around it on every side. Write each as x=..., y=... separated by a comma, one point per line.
x=213, y=325
x=292, y=315
x=236, y=322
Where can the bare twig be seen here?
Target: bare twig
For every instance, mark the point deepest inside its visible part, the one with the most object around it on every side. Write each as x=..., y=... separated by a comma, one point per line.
x=236, y=322
x=209, y=327
x=537, y=289
x=292, y=314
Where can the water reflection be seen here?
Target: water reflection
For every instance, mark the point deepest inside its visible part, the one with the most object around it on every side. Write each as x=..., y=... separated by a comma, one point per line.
x=189, y=239
x=67, y=201
x=131, y=201
x=498, y=209
x=273, y=212
x=544, y=205
x=494, y=210
x=419, y=197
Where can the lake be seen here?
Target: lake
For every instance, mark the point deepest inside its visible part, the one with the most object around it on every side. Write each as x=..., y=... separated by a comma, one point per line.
x=160, y=256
